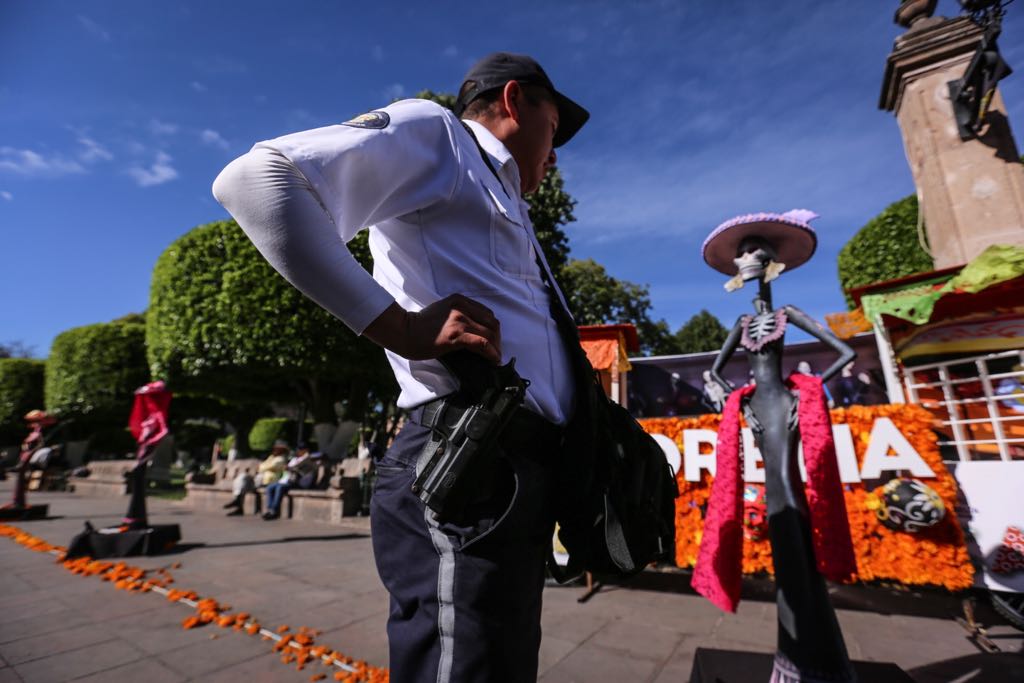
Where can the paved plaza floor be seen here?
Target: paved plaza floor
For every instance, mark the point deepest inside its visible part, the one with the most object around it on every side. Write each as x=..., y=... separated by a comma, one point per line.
x=55, y=626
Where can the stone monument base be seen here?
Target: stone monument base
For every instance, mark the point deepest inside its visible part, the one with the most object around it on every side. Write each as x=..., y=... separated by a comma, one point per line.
x=26, y=513
x=733, y=666
x=115, y=542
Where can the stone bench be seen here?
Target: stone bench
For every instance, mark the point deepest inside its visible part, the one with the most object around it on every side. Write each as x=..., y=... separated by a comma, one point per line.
x=110, y=477
x=341, y=497
x=106, y=478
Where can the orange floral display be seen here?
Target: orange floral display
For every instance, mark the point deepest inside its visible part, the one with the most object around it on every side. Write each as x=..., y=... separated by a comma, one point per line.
x=935, y=556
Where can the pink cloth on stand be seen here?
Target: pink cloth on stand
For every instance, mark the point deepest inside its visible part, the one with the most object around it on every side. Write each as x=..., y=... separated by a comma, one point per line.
x=718, y=573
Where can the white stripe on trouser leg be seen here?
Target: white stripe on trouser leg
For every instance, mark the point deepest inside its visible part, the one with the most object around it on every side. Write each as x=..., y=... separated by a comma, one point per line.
x=445, y=596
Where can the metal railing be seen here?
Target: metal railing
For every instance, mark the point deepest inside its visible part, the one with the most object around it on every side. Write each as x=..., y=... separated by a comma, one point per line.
x=966, y=385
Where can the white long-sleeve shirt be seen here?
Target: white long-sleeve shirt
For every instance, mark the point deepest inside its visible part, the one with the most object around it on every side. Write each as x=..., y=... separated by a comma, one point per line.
x=440, y=223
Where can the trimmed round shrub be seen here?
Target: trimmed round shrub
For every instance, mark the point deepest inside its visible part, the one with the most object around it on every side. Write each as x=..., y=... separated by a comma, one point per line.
x=885, y=249
x=93, y=372
x=223, y=323
x=21, y=390
x=269, y=429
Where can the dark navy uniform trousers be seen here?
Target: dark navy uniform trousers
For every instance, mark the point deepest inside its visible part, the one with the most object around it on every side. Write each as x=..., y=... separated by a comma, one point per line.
x=465, y=598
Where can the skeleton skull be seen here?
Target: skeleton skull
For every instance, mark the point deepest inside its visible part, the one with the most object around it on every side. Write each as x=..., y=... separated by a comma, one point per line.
x=752, y=257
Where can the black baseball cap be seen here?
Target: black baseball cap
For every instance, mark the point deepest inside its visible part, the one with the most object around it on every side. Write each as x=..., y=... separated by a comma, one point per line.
x=497, y=69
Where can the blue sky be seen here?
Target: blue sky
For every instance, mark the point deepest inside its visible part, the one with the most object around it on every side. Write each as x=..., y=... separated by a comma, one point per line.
x=116, y=116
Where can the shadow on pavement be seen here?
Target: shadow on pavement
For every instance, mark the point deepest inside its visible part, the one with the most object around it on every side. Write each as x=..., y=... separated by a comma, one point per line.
x=934, y=604
x=185, y=547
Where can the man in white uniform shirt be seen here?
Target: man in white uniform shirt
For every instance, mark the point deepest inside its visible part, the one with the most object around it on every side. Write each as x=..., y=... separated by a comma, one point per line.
x=456, y=266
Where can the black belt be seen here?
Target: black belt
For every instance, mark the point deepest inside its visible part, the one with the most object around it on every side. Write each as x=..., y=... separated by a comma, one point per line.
x=525, y=429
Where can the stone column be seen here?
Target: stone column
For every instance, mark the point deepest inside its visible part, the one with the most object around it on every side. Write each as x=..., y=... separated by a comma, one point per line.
x=971, y=193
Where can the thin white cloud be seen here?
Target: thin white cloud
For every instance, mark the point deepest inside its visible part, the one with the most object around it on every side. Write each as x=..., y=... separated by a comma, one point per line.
x=213, y=138
x=394, y=91
x=451, y=52
x=158, y=127
x=30, y=163
x=158, y=173
x=197, y=86
x=94, y=28
x=377, y=53
x=7, y=195
x=93, y=151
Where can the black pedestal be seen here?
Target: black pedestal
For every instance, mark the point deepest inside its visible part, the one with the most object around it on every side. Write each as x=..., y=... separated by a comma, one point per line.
x=25, y=513
x=112, y=542
x=732, y=666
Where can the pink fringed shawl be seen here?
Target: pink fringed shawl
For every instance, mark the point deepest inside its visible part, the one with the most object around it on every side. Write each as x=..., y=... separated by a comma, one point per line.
x=717, y=574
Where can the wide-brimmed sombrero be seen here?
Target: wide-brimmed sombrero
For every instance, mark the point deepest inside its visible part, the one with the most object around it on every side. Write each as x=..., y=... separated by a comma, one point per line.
x=789, y=233
x=39, y=416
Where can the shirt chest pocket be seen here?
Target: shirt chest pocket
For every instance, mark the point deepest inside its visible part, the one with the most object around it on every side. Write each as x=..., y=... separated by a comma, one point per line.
x=510, y=241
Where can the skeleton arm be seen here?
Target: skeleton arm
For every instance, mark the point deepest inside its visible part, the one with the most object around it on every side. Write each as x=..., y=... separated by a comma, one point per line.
x=811, y=327
x=728, y=348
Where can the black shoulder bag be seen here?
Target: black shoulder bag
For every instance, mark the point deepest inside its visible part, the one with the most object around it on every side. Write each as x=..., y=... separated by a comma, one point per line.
x=615, y=506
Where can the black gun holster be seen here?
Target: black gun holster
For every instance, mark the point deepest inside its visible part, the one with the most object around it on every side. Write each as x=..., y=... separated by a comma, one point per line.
x=458, y=462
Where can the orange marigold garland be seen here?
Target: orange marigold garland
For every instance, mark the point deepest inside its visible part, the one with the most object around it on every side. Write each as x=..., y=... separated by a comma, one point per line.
x=298, y=648
x=935, y=556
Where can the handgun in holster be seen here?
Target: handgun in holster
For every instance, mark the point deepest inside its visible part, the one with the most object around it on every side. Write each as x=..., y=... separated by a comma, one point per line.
x=466, y=429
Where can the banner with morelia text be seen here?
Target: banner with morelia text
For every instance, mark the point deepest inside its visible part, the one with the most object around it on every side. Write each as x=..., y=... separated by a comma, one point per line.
x=900, y=498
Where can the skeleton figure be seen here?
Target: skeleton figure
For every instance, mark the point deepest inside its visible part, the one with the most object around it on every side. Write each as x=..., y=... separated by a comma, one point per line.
x=810, y=644
x=148, y=423
x=37, y=421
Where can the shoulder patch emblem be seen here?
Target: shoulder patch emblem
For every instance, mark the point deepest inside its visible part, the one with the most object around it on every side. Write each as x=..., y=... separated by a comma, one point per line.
x=372, y=120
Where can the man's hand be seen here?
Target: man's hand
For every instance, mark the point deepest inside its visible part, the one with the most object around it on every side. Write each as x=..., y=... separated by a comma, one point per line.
x=453, y=323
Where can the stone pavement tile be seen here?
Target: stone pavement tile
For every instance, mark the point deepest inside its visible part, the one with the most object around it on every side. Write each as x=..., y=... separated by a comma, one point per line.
x=683, y=613
x=340, y=613
x=81, y=662
x=9, y=675
x=553, y=650
x=211, y=654
x=589, y=663
x=42, y=606
x=27, y=649
x=148, y=670
x=906, y=641
x=1002, y=667
x=571, y=622
x=158, y=632
x=637, y=639
x=13, y=587
x=755, y=630
x=679, y=664
x=365, y=639
x=267, y=669
x=40, y=624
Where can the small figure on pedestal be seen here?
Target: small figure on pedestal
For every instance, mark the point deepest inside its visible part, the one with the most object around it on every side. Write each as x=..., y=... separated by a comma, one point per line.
x=148, y=424
x=18, y=508
x=809, y=532
x=135, y=535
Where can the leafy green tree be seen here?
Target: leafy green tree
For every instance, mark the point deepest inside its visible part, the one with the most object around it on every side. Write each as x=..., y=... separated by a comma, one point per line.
x=92, y=373
x=21, y=390
x=702, y=332
x=223, y=323
x=445, y=99
x=597, y=298
x=886, y=248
